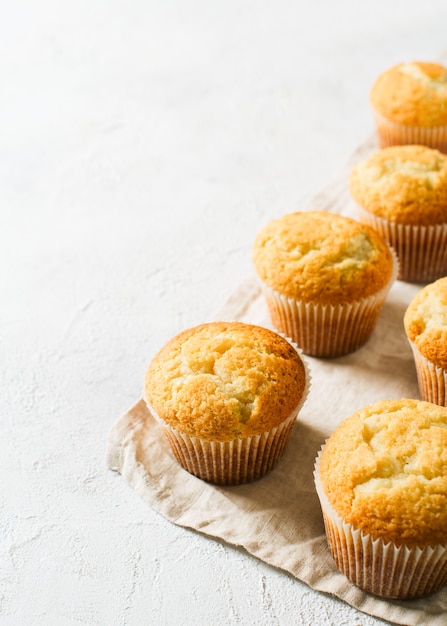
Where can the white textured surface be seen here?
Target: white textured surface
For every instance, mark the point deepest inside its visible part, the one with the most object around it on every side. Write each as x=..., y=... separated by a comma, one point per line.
x=142, y=146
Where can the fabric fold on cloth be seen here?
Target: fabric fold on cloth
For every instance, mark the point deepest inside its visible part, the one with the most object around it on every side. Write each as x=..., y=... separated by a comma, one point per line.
x=278, y=518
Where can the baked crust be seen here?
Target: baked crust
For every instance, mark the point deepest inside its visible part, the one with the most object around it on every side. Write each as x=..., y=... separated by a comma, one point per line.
x=413, y=94
x=425, y=322
x=322, y=257
x=225, y=380
x=405, y=184
x=384, y=470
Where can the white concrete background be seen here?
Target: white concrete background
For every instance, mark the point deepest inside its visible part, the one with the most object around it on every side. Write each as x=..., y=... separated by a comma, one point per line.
x=142, y=145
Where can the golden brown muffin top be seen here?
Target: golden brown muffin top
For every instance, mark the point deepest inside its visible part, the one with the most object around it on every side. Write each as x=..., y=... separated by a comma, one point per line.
x=425, y=322
x=384, y=470
x=406, y=184
x=225, y=380
x=414, y=94
x=321, y=257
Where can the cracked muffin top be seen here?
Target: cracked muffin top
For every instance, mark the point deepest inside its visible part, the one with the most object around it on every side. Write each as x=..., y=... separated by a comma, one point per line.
x=322, y=257
x=226, y=380
x=384, y=470
x=425, y=322
x=413, y=94
x=405, y=184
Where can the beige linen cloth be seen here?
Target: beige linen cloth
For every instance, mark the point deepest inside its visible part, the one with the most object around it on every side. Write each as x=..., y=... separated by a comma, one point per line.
x=278, y=518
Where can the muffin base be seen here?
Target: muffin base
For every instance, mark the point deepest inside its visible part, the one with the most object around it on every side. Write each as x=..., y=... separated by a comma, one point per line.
x=432, y=380
x=421, y=250
x=326, y=331
x=230, y=462
x=393, y=134
x=380, y=568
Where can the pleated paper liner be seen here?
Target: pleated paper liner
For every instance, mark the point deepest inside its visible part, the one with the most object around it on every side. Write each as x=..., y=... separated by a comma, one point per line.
x=231, y=462
x=383, y=569
x=421, y=250
x=432, y=380
x=393, y=134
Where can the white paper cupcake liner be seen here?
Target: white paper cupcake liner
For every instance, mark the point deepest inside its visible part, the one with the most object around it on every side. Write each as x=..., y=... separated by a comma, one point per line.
x=421, y=250
x=394, y=134
x=238, y=461
x=230, y=462
x=383, y=569
x=327, y=330
x=432, y=380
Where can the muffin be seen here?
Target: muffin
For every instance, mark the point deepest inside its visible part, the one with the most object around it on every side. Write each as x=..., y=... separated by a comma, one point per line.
x=401, y=192
x=325, y=278
x=409, y=102
x=382, y=482
x=425, y=324
x=227, y=395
